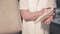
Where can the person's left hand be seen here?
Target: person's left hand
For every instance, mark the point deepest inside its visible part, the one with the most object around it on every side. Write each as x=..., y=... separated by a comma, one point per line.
x=49, y=19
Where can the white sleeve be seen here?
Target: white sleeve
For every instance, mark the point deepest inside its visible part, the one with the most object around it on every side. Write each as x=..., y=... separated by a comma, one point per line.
x=52, y=3
x=23, y=4
x=42, y=4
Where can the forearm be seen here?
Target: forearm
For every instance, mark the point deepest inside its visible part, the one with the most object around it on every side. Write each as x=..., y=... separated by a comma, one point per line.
x=30, y=16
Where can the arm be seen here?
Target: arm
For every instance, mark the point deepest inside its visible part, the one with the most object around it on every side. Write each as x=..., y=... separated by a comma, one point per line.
x=52, y=4
x=26, y=14
x=30, y=16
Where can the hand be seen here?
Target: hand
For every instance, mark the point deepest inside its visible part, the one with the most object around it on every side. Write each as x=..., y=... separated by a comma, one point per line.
x=49, y=19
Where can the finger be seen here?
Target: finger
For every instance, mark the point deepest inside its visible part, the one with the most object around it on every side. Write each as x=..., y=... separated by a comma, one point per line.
x=53, y=13
x=48, y=21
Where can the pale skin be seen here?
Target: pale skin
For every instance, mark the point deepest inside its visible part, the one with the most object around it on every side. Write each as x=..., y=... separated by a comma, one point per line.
x=50, y=18
x=32, y=16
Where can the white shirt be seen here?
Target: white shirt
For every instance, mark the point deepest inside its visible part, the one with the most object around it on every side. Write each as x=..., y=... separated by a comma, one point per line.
x=36, y=5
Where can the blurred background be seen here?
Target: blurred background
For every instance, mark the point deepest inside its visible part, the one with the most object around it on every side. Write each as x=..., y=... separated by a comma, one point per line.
x=57, y=16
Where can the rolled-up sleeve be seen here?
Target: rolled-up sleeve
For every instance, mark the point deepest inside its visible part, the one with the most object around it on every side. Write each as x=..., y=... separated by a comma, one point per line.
x=23, y=4
x=52, y=3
